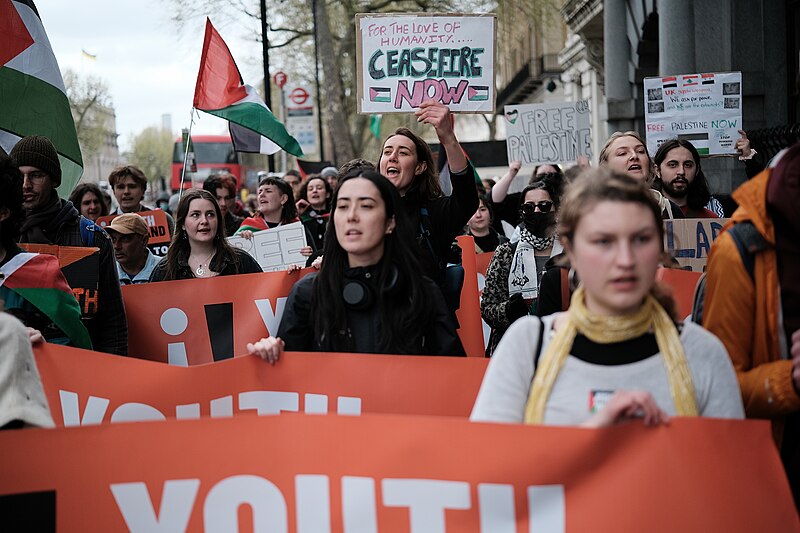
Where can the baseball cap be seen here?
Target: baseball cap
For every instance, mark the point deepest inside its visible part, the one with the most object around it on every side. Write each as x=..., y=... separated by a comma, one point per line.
x=129, y=223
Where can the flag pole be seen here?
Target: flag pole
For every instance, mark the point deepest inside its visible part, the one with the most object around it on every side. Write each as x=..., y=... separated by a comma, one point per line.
x=186, y=153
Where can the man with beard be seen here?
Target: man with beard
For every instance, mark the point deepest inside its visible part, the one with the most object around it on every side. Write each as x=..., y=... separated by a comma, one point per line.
x=51, y=220
x=680, y=178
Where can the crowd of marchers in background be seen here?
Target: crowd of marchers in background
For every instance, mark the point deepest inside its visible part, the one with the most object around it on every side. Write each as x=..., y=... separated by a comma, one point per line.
x=570, y=294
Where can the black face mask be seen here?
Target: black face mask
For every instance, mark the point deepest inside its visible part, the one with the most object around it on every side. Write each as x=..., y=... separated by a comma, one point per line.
x=537, y=222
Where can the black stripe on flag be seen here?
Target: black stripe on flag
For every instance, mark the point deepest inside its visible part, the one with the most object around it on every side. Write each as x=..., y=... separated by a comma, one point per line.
x=244, y=139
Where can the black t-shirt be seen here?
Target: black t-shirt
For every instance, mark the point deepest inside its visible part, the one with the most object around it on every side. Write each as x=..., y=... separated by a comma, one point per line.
x=487, y=243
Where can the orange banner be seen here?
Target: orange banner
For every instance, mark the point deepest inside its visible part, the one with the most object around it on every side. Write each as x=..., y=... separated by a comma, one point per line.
x=86, y=388
x=157, y=224
x=156, y=220
x=317, y=474
x=682, y=283
x=198, y=321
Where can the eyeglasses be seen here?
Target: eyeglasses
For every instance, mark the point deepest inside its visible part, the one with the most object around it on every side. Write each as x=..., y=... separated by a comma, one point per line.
x=36, y=177
x=544, y=206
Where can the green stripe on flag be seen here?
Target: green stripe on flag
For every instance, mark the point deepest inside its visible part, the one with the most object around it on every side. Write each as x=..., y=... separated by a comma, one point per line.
x=63, y=309
x=259, y=119
x=30, y=106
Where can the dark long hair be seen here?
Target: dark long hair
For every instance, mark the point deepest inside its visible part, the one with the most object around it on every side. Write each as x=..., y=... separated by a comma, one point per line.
x=76, y=197
x=11, y=199
x=289, y=211
x=403, y=316
x=427, y=181
x=328, y=189
x=180, y=247
x=698, y=193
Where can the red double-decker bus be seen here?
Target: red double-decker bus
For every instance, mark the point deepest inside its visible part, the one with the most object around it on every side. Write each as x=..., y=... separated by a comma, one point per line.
x=212, y=153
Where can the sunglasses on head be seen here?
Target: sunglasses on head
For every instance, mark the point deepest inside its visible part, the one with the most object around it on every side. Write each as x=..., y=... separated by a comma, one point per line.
x=544, y=206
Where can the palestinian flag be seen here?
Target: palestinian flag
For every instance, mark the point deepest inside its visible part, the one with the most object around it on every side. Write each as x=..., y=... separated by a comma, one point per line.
x=33, y=100
x=221, y=91
x=38, y=279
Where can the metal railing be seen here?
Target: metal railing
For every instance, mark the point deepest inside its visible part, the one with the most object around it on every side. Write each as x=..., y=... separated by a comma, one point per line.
x=770, y=141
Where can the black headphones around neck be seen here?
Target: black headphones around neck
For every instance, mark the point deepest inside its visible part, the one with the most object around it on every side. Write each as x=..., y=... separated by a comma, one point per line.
x=358, y=293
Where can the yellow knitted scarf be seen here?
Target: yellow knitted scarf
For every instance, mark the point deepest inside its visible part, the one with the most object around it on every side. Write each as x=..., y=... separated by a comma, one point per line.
x=605, y=330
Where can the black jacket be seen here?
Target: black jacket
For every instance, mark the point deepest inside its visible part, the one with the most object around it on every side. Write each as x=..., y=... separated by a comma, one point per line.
x=108, y=327
x=247, y=265
x=447, y=216
x=297, y=330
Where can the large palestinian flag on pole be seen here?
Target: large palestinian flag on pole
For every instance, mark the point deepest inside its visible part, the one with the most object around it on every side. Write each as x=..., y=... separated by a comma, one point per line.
x=37, y=278
x=33, y=100
x=221, y=91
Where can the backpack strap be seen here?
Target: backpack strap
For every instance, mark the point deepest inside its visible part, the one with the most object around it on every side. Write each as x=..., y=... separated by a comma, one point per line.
x=87, y=231
x=425, y=233
x=538, y=353
x=748, y=242
x=564, y=282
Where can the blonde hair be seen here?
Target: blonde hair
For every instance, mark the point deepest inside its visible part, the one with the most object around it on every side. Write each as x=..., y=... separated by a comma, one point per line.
x=603, y=184
x=604, y=153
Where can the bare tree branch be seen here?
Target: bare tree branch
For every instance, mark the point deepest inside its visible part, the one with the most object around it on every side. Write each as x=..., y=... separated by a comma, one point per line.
x=289, y=41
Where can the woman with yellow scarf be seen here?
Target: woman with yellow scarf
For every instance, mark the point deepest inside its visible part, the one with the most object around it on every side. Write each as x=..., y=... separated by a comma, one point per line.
x=617, y=353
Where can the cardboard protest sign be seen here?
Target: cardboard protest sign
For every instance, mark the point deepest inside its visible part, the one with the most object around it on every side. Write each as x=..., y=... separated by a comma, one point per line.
x=404, y=60
x=159, y=229
x=86, y=388
x=689, y=240
x=705, y=109
x=277, y=248
x=81, y=268
x=311, y=473
x=548, y=134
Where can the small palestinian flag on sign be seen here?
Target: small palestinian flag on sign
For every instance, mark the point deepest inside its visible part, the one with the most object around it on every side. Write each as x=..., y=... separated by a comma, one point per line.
x=690, y=80
x=670, y=82
x=478, y=93
x=708, y=79
x=698, y=140
x=380, y=94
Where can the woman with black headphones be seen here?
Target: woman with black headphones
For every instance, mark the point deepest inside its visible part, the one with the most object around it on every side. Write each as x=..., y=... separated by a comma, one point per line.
x=368, y=296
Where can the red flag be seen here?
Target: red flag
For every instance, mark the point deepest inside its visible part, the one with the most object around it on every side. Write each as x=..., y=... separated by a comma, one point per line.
x=219, y=83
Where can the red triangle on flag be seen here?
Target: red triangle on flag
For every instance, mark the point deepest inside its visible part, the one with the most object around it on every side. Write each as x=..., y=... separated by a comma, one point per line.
x=14, y=36
x=471, y=92
x=219, y=83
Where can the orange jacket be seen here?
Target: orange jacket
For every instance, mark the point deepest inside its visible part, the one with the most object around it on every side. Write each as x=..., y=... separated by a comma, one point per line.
x=744, y=314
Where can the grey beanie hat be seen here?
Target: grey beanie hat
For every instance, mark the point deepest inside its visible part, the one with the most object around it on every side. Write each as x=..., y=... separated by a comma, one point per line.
x=37, y=151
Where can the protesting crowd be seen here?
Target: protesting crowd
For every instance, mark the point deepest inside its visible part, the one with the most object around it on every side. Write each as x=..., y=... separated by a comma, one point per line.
x=380, y=238
x=582, y=333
